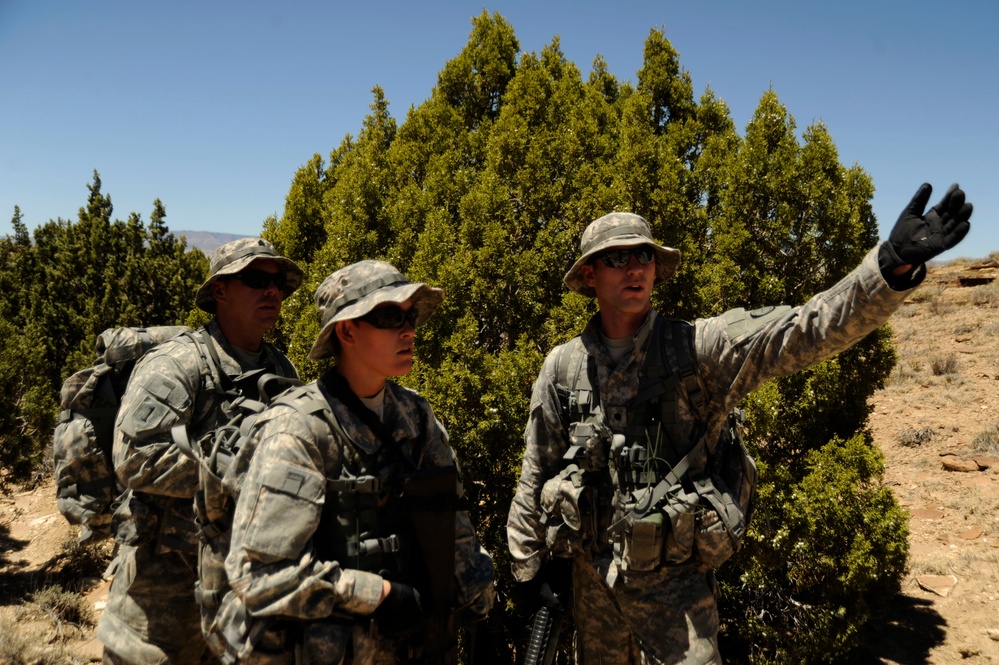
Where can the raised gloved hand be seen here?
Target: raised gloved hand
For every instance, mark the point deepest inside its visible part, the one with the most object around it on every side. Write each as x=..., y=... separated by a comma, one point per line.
x=917, y=238
x=400, y=612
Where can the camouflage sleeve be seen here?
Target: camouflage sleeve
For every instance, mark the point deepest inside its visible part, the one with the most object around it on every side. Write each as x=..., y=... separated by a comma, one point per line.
x=159, y=395
x=741, y=350
x=272, y=565
x=545, y=442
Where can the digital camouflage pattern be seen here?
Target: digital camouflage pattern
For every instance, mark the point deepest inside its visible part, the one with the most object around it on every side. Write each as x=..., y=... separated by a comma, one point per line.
x=237, y=255
x=354, y=291
x=273, y=565
x=151, y=614
x=618, y=229
x=81, y=444
x=671, y=612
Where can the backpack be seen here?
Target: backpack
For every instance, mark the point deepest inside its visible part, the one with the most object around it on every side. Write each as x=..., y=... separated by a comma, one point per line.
x=701, y=507
x=223, y=457
x=86, y=485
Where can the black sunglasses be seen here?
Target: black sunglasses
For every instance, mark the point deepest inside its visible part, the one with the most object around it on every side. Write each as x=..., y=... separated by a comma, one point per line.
x=261, y=279
x=392, y=317
x=620, y=258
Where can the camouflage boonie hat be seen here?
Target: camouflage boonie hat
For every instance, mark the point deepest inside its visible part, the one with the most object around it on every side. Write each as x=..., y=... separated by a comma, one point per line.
x=354, y=291
x=235, y=256
x=618, y=230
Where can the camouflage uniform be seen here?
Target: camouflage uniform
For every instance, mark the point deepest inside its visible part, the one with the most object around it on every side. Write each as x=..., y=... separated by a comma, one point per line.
x=287, y=594
x=668, y=615
x=151, y=615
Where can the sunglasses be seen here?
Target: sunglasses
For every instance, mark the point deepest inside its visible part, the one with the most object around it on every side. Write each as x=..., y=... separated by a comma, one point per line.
x=261, y=279
x=620, y=258
x=392, y=317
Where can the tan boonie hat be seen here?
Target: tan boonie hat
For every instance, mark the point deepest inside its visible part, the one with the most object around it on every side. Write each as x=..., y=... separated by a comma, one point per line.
x=235, y=256
x=618, y=230
x=354, y=291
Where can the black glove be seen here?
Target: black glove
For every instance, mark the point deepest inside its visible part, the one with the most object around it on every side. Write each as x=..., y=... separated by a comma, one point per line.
x=554, y=577
x=400, y=612
x=917, y=238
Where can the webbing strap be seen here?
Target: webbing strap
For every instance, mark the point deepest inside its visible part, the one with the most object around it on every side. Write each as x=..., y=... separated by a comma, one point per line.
x=651, y=499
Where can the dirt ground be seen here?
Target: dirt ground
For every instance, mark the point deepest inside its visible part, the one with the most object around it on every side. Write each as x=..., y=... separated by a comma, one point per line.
x=937, y=422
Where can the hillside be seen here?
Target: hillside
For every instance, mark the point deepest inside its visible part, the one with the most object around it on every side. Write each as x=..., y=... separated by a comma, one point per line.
x=937, y=422
x=207, y=241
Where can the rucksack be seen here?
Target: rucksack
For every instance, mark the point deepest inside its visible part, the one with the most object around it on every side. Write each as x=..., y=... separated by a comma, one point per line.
x=223, y=457
x=86, y=486
x=702, y=506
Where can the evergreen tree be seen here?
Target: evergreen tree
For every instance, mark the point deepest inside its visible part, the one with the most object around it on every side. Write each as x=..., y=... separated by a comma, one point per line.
x=485, y=190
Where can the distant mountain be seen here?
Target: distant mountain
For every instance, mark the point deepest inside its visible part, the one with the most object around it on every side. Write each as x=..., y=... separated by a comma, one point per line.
x=208, y=241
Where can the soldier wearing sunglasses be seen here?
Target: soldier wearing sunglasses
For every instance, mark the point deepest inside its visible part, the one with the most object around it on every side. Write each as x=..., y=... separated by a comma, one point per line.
x=640, y=570
x=350, y=543
x=152, y=615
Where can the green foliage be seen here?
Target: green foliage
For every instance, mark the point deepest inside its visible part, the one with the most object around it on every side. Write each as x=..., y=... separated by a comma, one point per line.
x=28, y=417
x=75, y=280
x=828, y=549
x=484, y=191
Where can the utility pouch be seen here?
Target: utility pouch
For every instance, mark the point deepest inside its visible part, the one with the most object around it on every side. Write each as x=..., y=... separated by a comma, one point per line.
x=643, y=545
x=567, y=505
x=134, y=521
x=679, y=542
x=713, y=541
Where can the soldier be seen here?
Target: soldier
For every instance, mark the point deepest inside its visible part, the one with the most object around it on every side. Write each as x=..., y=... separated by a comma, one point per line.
x=152, y=616
x=643, y=591
x=348, y=541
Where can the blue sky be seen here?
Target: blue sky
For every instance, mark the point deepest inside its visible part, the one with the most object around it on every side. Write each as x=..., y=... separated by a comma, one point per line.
x=211, y=106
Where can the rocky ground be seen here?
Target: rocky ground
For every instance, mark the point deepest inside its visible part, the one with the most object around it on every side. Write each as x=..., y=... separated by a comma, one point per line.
x=937, y=422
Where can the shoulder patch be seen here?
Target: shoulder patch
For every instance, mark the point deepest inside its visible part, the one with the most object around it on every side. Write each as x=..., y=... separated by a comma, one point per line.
x=740, y=322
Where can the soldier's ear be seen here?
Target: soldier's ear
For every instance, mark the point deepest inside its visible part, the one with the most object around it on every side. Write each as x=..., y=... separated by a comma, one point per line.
x=344, y=331
x=586, y=270
x=218, y=290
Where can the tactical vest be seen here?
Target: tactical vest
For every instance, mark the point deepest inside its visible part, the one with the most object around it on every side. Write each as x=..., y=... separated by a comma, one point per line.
x=380, y=514
x=633, y=481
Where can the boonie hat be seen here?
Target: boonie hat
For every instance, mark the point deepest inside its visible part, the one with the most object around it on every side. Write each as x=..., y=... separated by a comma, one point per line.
x=618, y=230
x=234, y=256
x=354, y=291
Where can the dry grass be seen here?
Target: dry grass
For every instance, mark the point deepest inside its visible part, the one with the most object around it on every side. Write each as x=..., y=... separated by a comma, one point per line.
x=28, y=644
x=926, y=293
x=942, y=366
x=987, y=441
x=986, y=295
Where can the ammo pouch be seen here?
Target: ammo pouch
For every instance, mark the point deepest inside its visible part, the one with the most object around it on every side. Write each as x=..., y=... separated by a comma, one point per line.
x=135, y=521
x=567, y=503
x=704, y=516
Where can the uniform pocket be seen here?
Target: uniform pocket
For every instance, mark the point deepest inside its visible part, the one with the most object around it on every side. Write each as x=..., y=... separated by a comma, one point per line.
x=286, y=510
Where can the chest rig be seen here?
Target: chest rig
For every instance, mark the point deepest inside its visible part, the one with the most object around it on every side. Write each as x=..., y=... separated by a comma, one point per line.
x=388, y=514
x=660, y=494
x=645, y=436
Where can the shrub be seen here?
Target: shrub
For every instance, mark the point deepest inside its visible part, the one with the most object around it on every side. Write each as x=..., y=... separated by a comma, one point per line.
x=823, y=555
x=942, y=366
x=987, y=441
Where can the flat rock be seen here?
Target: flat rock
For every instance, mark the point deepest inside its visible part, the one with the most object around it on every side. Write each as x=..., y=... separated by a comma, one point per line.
x=927, y=513
x=960, y=465
x=941, y=585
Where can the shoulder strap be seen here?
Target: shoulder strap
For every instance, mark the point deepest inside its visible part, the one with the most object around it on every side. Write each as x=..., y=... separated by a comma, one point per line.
x=688, y=369
x=576, y=395
x=223, y=383
x=333, y=385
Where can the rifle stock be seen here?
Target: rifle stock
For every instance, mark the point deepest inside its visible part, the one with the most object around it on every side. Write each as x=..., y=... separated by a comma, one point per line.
x=545, y=630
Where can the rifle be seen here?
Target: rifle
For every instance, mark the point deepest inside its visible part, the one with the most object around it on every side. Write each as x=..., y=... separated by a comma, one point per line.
x=545, y=629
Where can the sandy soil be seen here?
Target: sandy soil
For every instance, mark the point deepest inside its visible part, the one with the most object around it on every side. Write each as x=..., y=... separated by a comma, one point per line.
x=937, y=421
